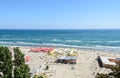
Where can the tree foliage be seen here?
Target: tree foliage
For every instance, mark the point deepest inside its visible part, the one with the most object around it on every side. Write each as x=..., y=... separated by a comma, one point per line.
x=6, y=63
x=21, y=69
x=19, y=57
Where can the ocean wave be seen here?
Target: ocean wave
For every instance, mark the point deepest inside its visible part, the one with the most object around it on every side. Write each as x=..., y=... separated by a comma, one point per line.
x=72, y=40
x=56, y=40
x=63, y=45
x=52, y=44
x=6, y=35
x=96, y=41
x=19, y=39
x=108, y=47
x=59, y=45
x=3, y=42
x=17, y=43
x=113, y=41
x=13, y=39
x=25, y=43
x=102, y=41
x=97, y=47
x=36, y=39
x=35, y=44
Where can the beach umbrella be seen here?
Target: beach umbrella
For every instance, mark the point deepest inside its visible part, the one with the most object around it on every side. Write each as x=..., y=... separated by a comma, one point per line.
x=27, y=58
x=34, y=50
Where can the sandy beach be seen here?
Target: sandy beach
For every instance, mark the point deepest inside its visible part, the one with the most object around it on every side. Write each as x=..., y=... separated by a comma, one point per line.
x=86, y=64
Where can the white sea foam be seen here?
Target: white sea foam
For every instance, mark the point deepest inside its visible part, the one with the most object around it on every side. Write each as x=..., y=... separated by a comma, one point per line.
x=36, y=39
x=56, y=40
x=6, y=35
x=115, y=48
x=17, y=43
x=13, y=39
x=108, y=47
x=72, y=40
x=59, y=45
x=27, y=43
x=96, y=41
x=102, y=41
x=65, y=45
x=113, y=41
x=7, y=43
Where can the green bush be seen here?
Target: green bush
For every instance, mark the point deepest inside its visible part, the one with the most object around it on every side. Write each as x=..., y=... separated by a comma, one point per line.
x=6, y=64
x=21, y=69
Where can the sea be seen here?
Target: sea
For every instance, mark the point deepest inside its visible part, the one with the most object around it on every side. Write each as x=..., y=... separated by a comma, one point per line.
x=106, y=39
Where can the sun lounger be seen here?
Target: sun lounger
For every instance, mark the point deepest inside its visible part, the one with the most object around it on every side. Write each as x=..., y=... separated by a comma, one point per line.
x=67, y=59
x=106, y=62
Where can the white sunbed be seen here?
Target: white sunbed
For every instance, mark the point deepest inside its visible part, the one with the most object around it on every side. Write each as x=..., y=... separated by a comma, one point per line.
x=106, y=62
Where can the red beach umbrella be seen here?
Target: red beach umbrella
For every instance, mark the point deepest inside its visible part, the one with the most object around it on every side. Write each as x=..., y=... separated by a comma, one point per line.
x=27, y=58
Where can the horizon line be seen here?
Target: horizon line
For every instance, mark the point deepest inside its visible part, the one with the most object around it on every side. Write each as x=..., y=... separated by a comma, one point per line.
x=64, y=29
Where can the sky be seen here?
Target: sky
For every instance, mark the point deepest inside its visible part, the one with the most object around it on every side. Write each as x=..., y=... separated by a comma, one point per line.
x=59, y=14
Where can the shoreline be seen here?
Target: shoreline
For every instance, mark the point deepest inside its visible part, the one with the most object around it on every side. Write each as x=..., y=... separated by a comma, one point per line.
x=79, y=48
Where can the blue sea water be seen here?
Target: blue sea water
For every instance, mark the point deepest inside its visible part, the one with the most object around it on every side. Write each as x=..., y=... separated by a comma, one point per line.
x=84, y=38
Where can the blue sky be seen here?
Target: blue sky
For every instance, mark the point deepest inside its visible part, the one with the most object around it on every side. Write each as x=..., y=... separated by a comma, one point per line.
x=59, y=14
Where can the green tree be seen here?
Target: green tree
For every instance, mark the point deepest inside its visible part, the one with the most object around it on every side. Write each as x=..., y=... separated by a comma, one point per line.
x=21, y=69
x=6, y=63
x=19, y=57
